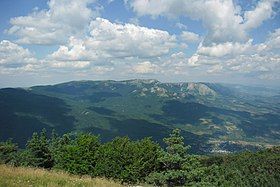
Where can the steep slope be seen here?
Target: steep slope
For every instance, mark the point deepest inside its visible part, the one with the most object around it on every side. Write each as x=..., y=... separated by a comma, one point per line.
x=215, y=118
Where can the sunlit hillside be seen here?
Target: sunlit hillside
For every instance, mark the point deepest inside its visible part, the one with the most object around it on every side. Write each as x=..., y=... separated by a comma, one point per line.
x=23, y=177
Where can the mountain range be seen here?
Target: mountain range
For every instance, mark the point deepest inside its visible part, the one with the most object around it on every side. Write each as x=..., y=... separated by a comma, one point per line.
x=214, y=118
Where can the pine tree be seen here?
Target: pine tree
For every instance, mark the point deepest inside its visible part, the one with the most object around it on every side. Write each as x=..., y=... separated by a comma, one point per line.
x=38, y=151
x=8, y=151
x=171, y=162
x=176, y=167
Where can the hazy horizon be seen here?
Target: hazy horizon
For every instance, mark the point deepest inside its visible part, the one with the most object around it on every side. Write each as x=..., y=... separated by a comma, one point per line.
x=28, y=85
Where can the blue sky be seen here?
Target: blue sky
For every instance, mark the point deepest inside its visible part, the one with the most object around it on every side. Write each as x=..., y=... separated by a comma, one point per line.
x=227, y=41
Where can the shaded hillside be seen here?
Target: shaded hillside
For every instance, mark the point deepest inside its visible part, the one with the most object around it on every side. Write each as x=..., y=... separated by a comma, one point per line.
x=214, y=118
x=22, y=112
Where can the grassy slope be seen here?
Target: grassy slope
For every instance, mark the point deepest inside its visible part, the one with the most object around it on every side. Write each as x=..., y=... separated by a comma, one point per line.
x=21, y=177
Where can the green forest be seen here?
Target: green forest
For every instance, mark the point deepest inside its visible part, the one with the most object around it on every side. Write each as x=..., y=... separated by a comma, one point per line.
x=143, y=161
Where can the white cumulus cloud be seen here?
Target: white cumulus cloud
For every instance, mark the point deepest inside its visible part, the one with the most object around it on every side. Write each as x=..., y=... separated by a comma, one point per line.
x=263, y=11
x=12, y=54
x=223, y=19
x=110, y=40
x=62, y=19
x=145, y=67
x=192, y=61
x=14, y=58
x=222, y=49
x=273, y=42
x=69, y=64
x=125, y=40
x=190, y=36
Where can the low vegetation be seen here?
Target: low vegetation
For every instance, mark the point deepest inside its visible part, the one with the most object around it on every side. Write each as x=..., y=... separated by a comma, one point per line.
x=132, y=162
x=24, y=176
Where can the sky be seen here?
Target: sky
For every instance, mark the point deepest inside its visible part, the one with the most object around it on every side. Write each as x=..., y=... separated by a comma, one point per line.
x=224, y=41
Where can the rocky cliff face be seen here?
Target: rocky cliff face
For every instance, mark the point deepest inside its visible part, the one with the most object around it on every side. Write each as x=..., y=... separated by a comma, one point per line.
x=201, y=89
x=172, y=90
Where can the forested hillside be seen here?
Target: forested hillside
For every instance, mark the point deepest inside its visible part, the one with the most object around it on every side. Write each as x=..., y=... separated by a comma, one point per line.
x=214, y=118
x=140, y=92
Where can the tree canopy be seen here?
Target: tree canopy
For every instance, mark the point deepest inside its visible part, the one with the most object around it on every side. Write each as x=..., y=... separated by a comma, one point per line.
x=144, y=161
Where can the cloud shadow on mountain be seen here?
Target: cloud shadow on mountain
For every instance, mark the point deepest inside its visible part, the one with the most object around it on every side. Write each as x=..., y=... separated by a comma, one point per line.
x=23, y=113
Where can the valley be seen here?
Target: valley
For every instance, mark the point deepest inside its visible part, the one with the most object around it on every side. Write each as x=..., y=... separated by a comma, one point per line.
x=214, y=118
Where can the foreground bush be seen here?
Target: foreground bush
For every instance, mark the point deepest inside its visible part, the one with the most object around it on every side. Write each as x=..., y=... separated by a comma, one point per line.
x=143, y=161
x=261, y=168
x=125, y=160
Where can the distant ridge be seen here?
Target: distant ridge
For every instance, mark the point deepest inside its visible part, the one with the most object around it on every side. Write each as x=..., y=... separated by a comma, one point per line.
x=214, y=118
